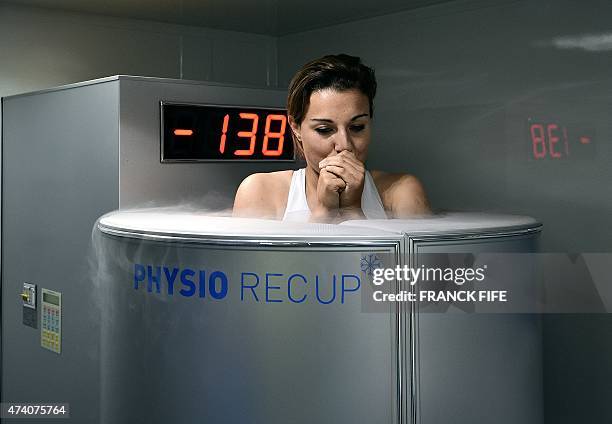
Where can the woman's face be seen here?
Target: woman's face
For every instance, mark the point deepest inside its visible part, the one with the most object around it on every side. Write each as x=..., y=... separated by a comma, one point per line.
x=335, y=121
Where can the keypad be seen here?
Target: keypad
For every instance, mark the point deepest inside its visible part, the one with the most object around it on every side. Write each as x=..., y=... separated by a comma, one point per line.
x=50, y=335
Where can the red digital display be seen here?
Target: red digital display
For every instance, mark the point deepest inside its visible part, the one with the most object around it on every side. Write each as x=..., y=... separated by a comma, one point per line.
x=211, y=133
x=186, y=133
x=551, y=140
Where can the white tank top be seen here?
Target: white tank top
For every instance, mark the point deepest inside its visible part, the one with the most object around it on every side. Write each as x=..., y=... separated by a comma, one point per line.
x=297, y=207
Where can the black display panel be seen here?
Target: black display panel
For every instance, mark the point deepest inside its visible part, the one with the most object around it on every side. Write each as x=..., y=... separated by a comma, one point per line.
x=192, y=133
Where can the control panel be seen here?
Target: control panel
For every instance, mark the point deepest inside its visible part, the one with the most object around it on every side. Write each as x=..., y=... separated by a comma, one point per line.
x=51, y=328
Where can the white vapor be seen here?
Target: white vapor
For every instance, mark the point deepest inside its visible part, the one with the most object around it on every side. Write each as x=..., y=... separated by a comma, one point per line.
x=587, y=42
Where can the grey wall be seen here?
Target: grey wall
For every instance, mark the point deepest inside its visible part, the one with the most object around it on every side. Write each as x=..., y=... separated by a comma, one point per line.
x=458, y=85
x=40, y=48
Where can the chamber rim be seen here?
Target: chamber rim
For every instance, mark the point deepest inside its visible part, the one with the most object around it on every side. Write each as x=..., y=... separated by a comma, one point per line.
x=314, y=240
x=505, y=224
x=364, y=234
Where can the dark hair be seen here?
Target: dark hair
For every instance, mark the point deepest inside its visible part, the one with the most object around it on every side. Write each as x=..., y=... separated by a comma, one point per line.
x=340, y=72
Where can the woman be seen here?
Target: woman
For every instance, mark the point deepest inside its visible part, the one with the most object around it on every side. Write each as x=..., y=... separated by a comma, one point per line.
x=330, y=109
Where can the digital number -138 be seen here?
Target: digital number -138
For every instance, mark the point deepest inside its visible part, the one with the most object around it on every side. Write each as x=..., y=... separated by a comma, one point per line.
x=251, y=135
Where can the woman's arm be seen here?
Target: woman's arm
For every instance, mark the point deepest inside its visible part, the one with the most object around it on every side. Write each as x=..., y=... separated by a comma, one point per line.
x=408, y=197
x=403, y=195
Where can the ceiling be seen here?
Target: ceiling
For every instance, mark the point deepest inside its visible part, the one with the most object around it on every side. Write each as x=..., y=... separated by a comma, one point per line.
x=269, y=17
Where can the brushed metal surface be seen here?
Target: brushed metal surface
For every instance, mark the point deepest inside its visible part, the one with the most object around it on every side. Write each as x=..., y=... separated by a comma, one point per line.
x=174, y=358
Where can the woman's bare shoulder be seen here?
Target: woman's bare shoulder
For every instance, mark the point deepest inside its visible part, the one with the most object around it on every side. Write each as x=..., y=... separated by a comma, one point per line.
x=263, y=194
x=390, y=180
x=402, y=194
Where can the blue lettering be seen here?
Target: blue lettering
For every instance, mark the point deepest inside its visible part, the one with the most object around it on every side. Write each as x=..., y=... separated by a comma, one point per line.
x=303, y=298
x=153, y=279
x=212, y=286
x=139, y=275
x=202, y=283
x=333, y=291
x=243, y=285
x=187, y=282
x=269, y=287
x=217, y=284
x=170, y=277
x=345, y=290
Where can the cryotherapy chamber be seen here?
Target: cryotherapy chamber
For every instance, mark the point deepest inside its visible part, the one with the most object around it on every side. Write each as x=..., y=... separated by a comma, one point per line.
x=242, y=320
x=191, y=315
x=269, y=322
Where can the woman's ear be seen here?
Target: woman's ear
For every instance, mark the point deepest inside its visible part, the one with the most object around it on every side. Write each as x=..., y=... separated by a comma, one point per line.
x=297, y=135
x=295, y=128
